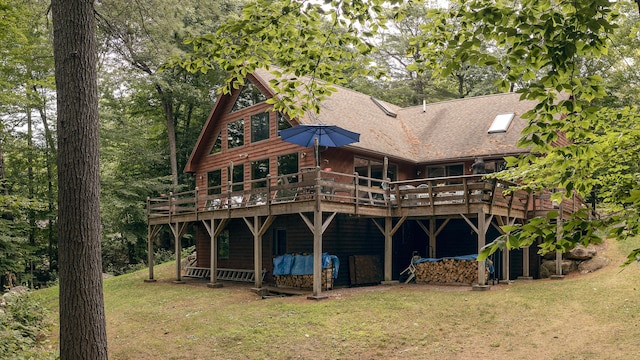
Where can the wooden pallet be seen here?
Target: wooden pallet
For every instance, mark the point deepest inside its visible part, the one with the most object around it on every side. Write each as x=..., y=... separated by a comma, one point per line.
x=223, y=274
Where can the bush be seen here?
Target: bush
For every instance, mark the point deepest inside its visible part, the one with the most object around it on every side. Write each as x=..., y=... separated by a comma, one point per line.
x=22, y=326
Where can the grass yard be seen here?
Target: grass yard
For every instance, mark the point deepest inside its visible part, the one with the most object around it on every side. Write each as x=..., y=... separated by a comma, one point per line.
x=592, y=316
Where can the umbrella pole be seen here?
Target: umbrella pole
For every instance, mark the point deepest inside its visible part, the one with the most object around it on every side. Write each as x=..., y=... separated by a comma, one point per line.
x=317, y=150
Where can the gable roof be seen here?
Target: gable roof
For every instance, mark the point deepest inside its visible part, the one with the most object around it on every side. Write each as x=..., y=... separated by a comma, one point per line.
x=435, y=132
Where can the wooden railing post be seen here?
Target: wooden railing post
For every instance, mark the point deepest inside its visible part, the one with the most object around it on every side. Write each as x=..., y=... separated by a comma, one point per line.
x=268, y=199
x=171, y=205
x=196, y=200
x=356, y=186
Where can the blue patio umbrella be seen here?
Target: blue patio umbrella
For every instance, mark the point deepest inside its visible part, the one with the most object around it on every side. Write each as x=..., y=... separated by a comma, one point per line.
x=317, y=135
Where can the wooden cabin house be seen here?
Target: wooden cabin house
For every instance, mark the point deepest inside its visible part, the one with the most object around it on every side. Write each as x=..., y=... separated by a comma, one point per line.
x=408, y=187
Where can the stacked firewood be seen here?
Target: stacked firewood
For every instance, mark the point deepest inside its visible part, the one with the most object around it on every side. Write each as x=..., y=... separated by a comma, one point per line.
x=305, y=281
x=448, y=271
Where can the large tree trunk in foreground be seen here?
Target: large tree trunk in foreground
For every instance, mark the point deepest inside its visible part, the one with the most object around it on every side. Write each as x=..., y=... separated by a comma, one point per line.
x=82, y=319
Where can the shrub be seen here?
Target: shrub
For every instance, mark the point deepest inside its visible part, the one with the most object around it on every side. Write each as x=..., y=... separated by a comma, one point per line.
x=22, y=326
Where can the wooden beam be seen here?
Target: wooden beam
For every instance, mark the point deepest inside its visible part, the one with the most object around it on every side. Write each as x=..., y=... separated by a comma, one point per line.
x=214, y=228
x=178, y=229
x=482, y=280
x=471, y=224
x=388, y=248
x=433, y=236
x=559, y=230
x=258, y=228
x=327, y=222
x=433, y=233
x=525, y=263
x=317, y=252
x=153, y=231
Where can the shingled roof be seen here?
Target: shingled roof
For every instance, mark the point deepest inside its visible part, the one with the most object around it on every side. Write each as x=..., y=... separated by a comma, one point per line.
x=436, y=132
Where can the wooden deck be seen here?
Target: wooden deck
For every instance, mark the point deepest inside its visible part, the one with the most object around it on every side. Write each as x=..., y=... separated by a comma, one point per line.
x=345, y=193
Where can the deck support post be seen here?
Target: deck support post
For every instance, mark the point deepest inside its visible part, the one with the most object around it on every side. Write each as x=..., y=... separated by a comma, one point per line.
x=526, y=265
x=153, y=231
x=432, y=233
x=388, y=231
x=484, y=221
x=318, y=228
x=482, y=234
x=559, y=230
x=257, y=252
x=214, y=229
x=317, y=254
x=258, y=228
x=432, y=238
x=178, y=230
x=506, y=253
x=388, y=249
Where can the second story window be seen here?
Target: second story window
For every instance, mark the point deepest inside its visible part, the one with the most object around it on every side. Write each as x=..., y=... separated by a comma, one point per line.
x=283, y=123
x=214, y=182
x=259, y=127
x=235, y=134
x=288, y=164
x=217, y=145
x=249, y=95
x=259, y=170
x=236, y=174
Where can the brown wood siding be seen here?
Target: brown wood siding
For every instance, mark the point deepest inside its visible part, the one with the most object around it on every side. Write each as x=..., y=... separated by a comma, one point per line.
x=203, y=246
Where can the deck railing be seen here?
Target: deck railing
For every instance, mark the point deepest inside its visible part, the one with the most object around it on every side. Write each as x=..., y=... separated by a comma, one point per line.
x=343, y=188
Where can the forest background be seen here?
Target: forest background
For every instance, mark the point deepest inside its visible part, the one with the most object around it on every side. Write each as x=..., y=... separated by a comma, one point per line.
x=152, y=111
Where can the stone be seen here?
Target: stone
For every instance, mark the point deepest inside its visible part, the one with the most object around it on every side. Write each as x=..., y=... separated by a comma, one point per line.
x=548, y=267
x=189, y=261
x=581, y=253
x=594, y=264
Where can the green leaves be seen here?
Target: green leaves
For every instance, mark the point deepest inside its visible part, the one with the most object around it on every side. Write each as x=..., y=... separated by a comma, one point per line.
x=301, y=38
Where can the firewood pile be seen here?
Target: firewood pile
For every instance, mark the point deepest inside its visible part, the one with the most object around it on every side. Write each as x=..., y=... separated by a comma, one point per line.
x=448, y=271
x=305, y=281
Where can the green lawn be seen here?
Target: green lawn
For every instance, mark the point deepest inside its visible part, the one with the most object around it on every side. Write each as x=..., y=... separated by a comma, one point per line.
x=593, y=316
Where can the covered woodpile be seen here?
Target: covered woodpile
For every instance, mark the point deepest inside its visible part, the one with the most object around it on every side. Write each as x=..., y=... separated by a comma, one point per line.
x=305, y=281
x=459, y=270
x=296, y=270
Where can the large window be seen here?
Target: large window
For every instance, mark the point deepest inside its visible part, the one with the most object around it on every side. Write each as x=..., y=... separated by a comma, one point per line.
x=217, y=145
x=214, y=182
x=288, y=164
x=249, y=95
x=235, y=134
x=237, y=177
x=259, y=170
x=259, y=127
x=372, y=168
x=283, y=123
x=445, y=170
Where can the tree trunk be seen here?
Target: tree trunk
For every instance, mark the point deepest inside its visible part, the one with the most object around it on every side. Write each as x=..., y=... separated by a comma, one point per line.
x=3, y=187
x=167, y=104
x=82, y=318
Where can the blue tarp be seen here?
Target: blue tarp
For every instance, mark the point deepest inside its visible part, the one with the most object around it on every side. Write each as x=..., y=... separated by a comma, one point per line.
x=463, y=257
x=289, y=264
x=282, y=264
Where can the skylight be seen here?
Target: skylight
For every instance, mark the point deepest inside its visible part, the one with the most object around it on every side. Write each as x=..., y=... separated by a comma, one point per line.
x=501, y=123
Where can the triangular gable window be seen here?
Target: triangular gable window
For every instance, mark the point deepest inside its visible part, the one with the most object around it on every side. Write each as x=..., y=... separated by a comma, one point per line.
x=217, y=146
x=501, y=123
x=249, y=95
x=283, y=123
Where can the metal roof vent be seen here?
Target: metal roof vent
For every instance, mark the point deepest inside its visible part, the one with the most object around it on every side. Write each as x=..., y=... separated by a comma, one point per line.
x=501, y=123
